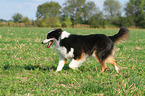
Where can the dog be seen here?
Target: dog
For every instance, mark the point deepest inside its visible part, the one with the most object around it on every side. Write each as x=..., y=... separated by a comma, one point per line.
x=78, y=47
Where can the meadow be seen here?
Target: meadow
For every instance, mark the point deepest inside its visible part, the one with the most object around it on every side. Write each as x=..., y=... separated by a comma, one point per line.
x=28, y=68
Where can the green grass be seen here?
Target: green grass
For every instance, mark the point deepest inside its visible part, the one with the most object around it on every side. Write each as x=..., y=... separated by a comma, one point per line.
x=28, y=68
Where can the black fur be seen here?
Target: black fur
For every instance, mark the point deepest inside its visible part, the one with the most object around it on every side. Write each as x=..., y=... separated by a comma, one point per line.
x=99, y=43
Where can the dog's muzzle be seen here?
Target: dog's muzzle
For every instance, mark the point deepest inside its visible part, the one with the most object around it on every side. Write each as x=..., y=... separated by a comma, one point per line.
x=45, y=41
x=48, y=40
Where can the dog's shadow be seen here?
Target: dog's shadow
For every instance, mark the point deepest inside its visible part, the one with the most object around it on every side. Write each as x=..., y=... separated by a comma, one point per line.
x=34, y=67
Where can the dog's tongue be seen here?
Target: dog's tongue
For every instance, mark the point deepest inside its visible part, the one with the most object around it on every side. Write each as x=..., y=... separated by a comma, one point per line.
x=50, y=43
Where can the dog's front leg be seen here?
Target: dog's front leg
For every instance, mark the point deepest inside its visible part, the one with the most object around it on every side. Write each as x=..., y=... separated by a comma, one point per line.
x=61, y=63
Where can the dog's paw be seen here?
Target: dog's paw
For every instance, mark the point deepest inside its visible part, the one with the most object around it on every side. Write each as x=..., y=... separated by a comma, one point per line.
x=117, y=69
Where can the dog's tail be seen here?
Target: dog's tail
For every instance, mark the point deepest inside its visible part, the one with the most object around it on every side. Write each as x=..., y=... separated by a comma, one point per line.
x=121, y=35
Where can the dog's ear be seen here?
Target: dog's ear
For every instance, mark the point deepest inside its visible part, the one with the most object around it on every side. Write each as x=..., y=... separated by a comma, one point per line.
x=57, y=33
x=59, y=30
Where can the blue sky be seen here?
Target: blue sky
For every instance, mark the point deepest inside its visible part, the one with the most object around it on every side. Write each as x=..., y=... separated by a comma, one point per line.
x=29, y=7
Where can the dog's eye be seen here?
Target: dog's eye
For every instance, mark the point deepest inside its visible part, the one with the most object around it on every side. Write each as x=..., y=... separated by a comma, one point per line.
x=48, y=37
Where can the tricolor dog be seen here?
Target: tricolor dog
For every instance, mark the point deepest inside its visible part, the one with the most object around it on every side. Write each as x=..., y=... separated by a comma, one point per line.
x=78, y=47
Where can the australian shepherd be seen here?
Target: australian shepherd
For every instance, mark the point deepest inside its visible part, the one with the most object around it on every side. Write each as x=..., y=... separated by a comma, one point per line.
x=78, y=47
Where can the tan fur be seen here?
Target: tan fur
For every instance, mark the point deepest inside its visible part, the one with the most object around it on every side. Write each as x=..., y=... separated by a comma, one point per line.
x=82, y=55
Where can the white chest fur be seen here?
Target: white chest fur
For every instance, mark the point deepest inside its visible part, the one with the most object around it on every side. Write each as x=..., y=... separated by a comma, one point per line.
x=61, y=49
x=63, y=52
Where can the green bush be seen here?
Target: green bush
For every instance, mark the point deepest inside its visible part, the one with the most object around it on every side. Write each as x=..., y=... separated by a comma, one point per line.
x=66, y=23
x=27, y=22
x=49, y=22
x=53, y=22
x=11, y=24
x=142, y=23
x=2, y=24
x=41, y=23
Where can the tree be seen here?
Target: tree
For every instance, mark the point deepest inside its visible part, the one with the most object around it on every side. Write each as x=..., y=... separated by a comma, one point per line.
x=48, y=9
x=135, y=10
x=66, y=22
x=17, y=17
x=129, y=12
x=89, y=9
x=79, y=10
x=125, y=21
x=2, y=20
x=73, y=9
x=113, y=9
x=26, y=21
x=97, y=20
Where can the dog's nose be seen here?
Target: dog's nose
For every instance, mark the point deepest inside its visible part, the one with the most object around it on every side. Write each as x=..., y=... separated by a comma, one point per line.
x=42, y=42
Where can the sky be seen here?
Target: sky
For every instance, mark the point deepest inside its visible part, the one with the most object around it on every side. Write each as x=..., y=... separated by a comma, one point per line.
x=29, y=7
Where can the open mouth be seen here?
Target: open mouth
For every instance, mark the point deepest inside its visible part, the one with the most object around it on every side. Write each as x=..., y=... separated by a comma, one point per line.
x=50, y=44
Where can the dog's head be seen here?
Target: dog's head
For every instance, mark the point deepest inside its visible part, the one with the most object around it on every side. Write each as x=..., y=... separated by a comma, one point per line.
x=52, y=36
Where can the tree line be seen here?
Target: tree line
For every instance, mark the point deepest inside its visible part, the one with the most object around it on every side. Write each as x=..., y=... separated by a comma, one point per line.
x=85, y=14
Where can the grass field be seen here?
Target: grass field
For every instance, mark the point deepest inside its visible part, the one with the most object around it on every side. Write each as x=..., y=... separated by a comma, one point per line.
x=28, y=68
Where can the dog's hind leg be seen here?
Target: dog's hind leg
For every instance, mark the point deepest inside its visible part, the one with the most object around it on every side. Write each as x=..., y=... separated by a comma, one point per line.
x=111, y=60
x=104, y=67
x=61, y=63
x=102, y=62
